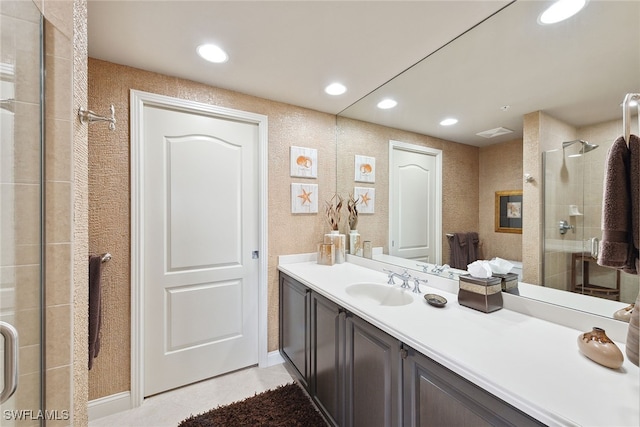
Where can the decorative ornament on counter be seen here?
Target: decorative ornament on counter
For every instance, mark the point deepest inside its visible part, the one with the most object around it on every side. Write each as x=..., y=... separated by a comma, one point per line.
x=597, y=346
x=334, y=206
x=326, y=254
x=624, y=314
x=355, y=244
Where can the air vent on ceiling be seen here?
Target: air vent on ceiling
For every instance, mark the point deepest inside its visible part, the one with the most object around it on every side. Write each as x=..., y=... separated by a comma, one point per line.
x=492, y=133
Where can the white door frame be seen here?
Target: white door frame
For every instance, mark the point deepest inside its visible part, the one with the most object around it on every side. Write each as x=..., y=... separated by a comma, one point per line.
x=138, y=101
x=397, y=145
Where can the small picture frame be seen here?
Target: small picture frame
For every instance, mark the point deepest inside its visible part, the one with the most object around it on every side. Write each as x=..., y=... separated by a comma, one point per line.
x=367, y=197
x=508, y=217
x=304, y=162
x=365, y=169
x=304, y=198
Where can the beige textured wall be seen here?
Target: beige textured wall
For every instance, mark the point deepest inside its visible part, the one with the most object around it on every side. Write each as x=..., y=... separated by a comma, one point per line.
x=531, y=198
x=460, y=171
x=109, y=196
x=80, y=218
x=500, y=170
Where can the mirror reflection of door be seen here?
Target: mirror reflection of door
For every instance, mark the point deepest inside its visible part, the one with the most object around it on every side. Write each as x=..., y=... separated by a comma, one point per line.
x=415, y=207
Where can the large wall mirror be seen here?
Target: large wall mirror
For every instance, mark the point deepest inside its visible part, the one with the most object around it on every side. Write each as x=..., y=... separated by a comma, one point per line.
x=519, y=89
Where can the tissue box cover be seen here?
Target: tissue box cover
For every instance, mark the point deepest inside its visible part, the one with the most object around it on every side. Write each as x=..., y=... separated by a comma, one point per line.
x=509, y=281
x=480, y=294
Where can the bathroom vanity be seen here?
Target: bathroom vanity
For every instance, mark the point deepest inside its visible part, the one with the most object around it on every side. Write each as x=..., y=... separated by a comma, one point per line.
x=404, y=362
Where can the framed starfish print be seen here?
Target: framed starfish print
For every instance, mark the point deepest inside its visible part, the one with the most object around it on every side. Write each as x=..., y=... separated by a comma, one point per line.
x=304, y=198
x=367, y=198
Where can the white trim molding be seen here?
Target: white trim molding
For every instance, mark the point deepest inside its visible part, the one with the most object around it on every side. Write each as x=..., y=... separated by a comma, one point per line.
x=138, y=100
x=108, y=405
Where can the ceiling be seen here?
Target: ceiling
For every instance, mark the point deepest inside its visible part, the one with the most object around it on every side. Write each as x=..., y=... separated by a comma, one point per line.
x=577, y=71
x=286, y=51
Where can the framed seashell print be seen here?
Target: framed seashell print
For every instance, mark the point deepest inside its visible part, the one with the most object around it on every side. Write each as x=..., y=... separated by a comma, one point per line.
x=367, y=198
x=304, y=198
x=304, y=162
x=365, y=169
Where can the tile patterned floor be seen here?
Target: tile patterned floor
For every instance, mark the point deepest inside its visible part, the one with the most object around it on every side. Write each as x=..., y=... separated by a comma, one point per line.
x=168, y=409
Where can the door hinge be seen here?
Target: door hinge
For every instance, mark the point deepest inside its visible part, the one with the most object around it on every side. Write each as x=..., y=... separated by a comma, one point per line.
x=255, y=254
x=403, y=353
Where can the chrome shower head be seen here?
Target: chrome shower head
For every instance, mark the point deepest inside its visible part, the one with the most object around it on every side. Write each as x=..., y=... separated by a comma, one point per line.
x=586, y=147
x=569, y=143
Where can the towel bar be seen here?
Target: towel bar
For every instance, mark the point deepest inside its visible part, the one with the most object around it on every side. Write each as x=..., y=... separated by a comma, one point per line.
x=105, y=257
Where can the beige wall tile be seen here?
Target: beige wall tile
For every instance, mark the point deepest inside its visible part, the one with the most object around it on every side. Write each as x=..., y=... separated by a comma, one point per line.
x=58, y=273
x=58, y=339
x=58, y=212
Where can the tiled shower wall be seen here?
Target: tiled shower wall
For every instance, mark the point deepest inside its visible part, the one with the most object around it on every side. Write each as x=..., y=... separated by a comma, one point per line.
x=66, y=209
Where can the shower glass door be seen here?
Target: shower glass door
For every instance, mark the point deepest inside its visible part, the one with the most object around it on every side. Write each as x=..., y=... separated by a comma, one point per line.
x=21, y=268
x=573, y=187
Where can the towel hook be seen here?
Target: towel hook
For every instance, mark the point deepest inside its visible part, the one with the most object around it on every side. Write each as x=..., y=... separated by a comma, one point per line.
x=88, y=116
x=626, y=114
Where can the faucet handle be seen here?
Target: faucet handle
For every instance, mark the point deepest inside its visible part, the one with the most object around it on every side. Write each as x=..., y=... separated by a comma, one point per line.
x=390, y=274
x=416, y=284
x=425, y=267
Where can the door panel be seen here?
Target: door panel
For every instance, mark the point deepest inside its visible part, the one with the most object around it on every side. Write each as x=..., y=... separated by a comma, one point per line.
x=200, y=229
x=415, y=184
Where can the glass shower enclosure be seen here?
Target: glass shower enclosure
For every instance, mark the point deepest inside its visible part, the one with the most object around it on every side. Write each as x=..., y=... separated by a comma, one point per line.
x=573, y=188
x=21, y=213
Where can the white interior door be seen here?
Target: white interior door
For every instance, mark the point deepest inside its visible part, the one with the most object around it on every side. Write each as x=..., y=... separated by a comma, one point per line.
x=200, y=231
x=415, y=188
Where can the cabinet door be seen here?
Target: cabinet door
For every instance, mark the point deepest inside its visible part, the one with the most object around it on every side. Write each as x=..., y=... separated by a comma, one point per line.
x=373, y=369
x=294, y=326
x=436, y=396
x=327, y=356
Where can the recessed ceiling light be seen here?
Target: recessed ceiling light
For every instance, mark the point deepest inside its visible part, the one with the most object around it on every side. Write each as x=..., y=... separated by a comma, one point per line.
x=385, y=104
x=561, y=10
x=335, y=89
x=212, y=53
x=448, y=122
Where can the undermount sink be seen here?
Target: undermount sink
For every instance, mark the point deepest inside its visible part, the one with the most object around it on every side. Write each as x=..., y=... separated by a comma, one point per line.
x=379, y=294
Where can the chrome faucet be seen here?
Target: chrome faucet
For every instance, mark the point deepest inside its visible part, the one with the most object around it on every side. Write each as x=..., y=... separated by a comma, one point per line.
x=425, y=267
x=405, y=276
x=440, y=268
x=416, y=284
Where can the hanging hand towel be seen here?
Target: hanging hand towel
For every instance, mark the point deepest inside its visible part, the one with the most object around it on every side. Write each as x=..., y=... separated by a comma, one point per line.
x=458, y=255
x=95, y=306
x=617, y=247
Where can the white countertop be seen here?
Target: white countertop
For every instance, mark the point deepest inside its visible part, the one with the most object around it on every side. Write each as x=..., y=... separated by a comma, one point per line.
x=530, y=363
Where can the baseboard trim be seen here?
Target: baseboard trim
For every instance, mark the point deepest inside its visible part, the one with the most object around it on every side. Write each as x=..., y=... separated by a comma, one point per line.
x=109, y=405
x=274, y=358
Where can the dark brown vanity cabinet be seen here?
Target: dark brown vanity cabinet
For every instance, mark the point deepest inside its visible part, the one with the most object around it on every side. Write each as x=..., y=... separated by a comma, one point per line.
x=295, y=330
x=436, y=396
x=360, y=376
x=327, y=358
x=373, y=368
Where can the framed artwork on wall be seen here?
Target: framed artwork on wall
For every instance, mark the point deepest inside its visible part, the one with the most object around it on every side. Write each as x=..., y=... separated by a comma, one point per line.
x=304, y=162
x=367, y=197
x=365, y=168
x=508, y=215
x=304, y=198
